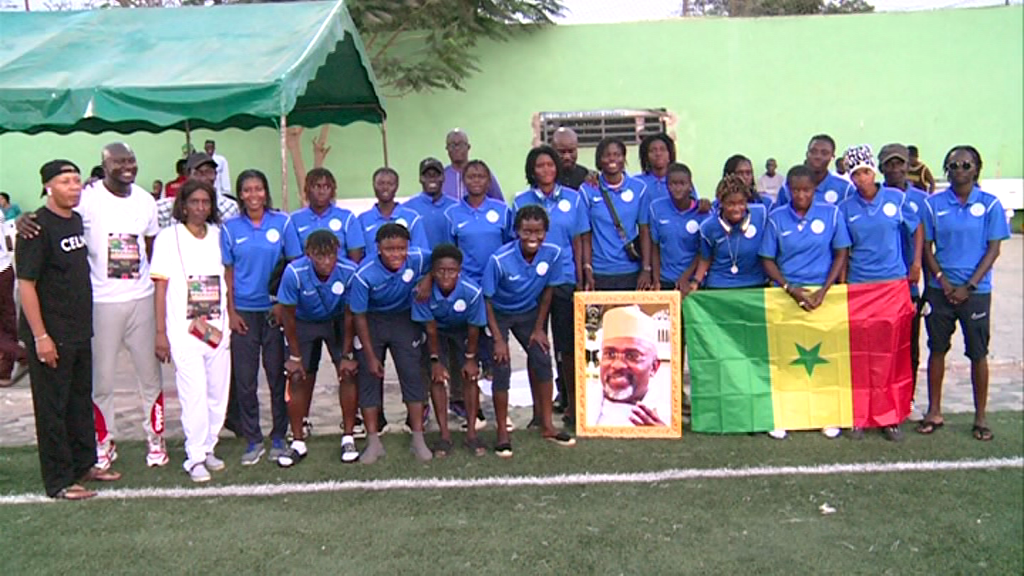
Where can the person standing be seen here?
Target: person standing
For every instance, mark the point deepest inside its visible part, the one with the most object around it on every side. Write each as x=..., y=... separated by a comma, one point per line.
x=431, y=203
x=222, y=183
x=385, y=186
x=729, y=242
x=828, y=187
x=457, y=144
x=251, y=245
x=11, y=351
x=321, y=213
x=192, y=325
x=769, y=183
x=56, y=324
x=964, y=227
x=566, y=143
x=172, y=187
x=202, y=167
x=918, y=173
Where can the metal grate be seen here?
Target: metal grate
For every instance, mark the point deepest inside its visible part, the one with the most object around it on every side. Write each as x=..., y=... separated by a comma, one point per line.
x=632, y=125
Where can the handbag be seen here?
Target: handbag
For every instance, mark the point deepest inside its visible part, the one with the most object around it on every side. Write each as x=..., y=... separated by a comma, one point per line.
x=631, y=246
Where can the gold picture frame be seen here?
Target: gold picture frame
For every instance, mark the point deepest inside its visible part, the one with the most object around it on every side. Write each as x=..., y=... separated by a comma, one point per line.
x=648, y=400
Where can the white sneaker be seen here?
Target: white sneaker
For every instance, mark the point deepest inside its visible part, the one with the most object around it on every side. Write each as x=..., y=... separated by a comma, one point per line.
x=349, y=453
x=157, y=455
x=915, y=414
x=778, y=434
x=105, y=457
x=215, y=464
x=198, y=473
x=830, y=432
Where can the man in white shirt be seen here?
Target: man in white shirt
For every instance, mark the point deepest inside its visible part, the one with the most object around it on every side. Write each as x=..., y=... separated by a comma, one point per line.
x=770, y=182
x=629, y=361
x=119, y=218
x=222, y=184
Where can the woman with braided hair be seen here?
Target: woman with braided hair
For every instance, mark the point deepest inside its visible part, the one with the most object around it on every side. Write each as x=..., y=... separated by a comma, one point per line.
x=729, y=241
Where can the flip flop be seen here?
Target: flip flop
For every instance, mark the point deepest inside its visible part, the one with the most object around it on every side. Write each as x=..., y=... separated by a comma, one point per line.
x=95, y=474
x=926, y=427
x=562, y=439
x=475, y=446
x=75, y=492
x=503, y=450
x=442, y=448
x=982, y=433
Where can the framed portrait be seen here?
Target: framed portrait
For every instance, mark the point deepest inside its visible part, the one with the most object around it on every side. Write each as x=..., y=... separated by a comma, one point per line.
x=629, y=379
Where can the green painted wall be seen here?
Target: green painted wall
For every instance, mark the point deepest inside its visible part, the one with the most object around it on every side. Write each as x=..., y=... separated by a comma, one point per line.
x=759, y=86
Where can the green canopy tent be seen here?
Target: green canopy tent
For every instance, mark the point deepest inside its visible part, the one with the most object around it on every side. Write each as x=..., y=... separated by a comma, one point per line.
x=150, y=70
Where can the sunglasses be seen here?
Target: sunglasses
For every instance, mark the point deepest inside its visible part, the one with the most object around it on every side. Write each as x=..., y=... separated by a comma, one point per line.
x=965, y=166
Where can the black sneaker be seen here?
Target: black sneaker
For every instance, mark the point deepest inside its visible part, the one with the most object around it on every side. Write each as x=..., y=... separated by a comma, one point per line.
x=893, y=433
x=855, y=434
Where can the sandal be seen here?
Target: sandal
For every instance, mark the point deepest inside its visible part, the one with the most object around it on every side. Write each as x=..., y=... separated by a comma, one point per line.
x=504, y=450
x=442, y=448
x=982, y=433
x=74, y=492
x=98, y=475
x=928, y=426
x=562, y=439
x=475, y=446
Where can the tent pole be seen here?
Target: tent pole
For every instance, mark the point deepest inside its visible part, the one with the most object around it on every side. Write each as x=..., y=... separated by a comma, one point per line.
x=188, y=139
x=384, y=139
x=284, y=163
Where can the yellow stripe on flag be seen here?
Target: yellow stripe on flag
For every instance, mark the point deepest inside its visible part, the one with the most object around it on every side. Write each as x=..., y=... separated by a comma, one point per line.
x=809, y=355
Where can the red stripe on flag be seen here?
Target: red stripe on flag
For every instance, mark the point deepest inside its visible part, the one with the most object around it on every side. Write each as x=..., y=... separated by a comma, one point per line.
x=882, y=379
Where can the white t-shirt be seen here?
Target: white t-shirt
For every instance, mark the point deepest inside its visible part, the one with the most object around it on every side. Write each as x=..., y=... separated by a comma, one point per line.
x=115, y=234
x=5, y=256
x=195, y=278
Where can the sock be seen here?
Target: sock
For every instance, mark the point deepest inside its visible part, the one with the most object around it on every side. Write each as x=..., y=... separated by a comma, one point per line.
x=299, y=446
x=347, y=439
x=373, y=451
x=419, y=447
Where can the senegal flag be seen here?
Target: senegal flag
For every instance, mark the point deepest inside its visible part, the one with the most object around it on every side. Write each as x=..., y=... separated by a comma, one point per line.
x=759, y=362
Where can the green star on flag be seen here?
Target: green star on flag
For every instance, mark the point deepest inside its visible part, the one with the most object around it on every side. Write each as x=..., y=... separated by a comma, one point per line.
x=809, y=358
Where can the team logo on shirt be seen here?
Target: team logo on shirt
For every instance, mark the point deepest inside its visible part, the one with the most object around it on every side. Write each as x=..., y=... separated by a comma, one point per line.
x=831, y=196
x=751, y=231
x=334, y=224
x=913, y=206
x=564, y=205
x=492, y=216
x=407, y=275
x=542, y=269
x=977, y=209
x=401, y=222
x=338, y=287
x=627, y=196
x=889, y=209
x=459, y=306
x=273, y=236
x=692, y=227
x=817, y=226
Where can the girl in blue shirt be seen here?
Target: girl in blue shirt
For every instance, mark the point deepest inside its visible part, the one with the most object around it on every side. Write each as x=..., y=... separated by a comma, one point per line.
x=741, y=166
x=805, y=245
x=252, y=244
x=730, y=242
x=964, y=228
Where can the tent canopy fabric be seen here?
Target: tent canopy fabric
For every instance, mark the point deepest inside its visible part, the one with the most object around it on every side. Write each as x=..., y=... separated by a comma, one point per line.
x=217, y=67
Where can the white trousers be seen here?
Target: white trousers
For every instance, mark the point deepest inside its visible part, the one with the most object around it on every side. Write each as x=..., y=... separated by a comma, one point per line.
x=202, y=376
x=131, y=325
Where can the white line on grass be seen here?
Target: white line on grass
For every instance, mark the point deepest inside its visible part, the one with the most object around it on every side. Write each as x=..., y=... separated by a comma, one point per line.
x=264, y=490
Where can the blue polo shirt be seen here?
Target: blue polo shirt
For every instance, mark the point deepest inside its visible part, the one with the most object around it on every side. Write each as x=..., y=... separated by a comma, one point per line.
x=435, y=223
x=632, y=203
x=832, y=190
x=478, y=232
x=464, y=306
x=514, y=285
x=677, y=235
x=876, y=230
x=568, y=219
x=253, y=252
x=961, y=233
x=739, y=245
x=657, y=188
x=304, y=222
x=802, y=247
x=377, y=289
x=372, y=219
x=455, y=188
x=316, y=300
x=917, y=200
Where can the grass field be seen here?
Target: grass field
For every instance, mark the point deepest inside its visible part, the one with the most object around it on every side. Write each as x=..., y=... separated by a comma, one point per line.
x=900, y=522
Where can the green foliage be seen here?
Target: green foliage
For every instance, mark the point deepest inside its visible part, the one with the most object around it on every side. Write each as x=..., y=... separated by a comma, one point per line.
x=760, y=8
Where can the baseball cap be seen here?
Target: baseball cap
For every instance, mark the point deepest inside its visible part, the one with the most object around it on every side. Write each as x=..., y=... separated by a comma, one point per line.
x=55, y=168
x=431, y=163
x=198, y=159
x=890, y=151
x=860, y=157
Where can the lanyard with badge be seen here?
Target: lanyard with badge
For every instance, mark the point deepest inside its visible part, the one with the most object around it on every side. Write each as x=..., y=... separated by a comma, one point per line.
x=202, y=303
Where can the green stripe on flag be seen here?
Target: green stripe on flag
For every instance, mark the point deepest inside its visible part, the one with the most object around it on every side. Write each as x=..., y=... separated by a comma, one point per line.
x=727, y=346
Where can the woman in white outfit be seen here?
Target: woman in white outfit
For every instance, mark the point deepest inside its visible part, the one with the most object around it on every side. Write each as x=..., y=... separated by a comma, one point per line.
x=192, y=326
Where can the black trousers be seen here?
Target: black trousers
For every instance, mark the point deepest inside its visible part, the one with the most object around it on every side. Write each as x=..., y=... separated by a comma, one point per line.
x=245, y=365
x=563, y=331
x=62, y=398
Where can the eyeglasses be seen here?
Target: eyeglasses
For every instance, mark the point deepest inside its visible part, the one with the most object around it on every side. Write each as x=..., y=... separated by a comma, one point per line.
x=634, y=357
x=965, y=166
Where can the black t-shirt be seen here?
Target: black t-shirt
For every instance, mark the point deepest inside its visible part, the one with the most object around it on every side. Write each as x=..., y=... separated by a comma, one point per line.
x=58, y=262
x=574, y=178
